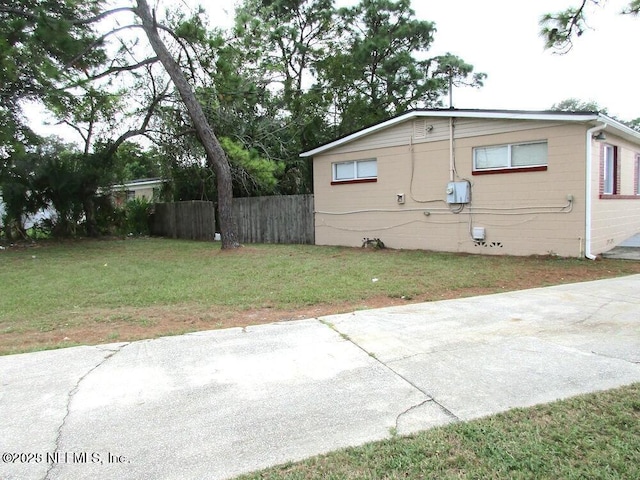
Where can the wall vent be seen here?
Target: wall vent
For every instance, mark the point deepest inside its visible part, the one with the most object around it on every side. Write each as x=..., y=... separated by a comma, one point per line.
x=478, y=243
x=420, y=128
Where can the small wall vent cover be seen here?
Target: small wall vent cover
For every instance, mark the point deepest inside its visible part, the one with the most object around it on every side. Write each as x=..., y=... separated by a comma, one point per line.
x=478, y=233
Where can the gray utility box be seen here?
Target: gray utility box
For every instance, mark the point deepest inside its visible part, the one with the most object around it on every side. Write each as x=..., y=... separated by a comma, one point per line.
x=458, y=192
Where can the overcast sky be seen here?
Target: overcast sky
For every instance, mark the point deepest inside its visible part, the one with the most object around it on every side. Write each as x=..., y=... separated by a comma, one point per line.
x=500, y=38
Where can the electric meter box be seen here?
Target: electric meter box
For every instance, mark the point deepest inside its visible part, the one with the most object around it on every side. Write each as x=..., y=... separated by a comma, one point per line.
x=458, y=192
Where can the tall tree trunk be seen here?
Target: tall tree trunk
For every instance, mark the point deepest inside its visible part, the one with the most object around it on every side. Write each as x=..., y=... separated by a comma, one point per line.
x=90, y=216
x=215, y=154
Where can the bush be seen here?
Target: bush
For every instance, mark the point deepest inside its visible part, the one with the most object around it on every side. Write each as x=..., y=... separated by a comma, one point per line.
x=137, y=212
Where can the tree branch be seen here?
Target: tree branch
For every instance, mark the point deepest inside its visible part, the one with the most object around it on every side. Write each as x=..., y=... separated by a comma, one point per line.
x=157, y=99
x=126, y=68
x=97, y=42
x=102, y=15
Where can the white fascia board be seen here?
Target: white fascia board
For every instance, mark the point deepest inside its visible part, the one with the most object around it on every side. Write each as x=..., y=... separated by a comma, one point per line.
x=359, y=134
x=620, y=129
x=132, y=185
x=484, y=114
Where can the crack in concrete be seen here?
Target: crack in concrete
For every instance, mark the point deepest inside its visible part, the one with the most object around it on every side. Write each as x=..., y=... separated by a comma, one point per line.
x=430, y=398
x=72, y=393
x=445, y=410
x=592, y=314
x=599, y=354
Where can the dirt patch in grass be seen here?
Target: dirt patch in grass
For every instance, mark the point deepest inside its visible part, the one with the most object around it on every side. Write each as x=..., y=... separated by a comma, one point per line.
x=96, y=326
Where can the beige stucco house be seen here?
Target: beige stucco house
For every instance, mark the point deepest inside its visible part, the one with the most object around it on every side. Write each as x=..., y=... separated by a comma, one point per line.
x=143, y=189
x=481, y=181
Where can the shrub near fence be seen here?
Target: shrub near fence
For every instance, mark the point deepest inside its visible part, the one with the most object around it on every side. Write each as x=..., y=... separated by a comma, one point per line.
x=193, y=220
x=276, y=219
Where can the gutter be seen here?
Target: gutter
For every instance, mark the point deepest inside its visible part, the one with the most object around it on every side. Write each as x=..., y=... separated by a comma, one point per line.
x=588, y=197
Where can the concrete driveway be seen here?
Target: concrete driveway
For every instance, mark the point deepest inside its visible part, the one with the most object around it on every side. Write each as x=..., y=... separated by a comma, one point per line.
x=211, y=405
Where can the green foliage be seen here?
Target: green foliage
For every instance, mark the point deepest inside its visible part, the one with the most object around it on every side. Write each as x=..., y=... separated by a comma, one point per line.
x=294, y=74
x=635, y=124
x=633, y=8
x=577, y=105
x=137, y=212
x=377, y=72
x=253, y=175
x=54, y=174
x=290, y=75
x=560, y=28
x=41, y=44
x=191, y=182
x=132, y=162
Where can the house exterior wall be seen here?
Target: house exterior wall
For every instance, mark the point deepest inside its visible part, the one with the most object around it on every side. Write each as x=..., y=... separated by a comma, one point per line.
x=523, y=213
x=144, y=192
x=615, y=217
x=122, y=193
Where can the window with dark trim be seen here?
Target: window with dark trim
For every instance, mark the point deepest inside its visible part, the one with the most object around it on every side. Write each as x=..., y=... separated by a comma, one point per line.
x=355, y=171
x=610, y=178
x=530, y=156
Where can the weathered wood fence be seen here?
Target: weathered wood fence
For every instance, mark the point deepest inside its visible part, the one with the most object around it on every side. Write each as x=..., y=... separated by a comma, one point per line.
x=275, y=219
x=195, y=220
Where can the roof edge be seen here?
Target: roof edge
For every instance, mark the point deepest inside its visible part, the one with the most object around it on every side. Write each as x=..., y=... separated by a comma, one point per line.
x=580, y=116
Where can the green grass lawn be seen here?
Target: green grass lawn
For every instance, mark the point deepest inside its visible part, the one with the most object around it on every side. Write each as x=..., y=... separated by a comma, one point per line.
x=83, y=292
x=61, y=294
x=595, y=436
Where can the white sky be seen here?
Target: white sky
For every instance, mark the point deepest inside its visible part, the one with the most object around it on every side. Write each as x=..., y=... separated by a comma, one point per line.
x=500, y=38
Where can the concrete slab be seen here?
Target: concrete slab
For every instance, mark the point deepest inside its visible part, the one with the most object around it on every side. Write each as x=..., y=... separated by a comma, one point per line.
x=206, y=405
x=623, y=253
x=211, y=405
x=632, y=241
x=627, y=250
x=481, y=355
x=36, y=388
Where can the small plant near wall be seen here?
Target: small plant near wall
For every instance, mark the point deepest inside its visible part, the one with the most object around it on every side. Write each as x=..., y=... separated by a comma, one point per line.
x=374, y=243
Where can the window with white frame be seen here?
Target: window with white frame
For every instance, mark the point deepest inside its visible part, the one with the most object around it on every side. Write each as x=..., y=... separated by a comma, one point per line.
x=637, y=182
x=510, y=156
x=610, y=170
x=355, y=170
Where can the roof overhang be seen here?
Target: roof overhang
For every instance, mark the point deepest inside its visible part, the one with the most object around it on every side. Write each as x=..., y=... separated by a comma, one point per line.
x=588, y=118
x=147, y=182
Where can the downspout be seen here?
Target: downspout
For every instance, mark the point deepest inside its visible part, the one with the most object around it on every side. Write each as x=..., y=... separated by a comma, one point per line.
x=588, y=198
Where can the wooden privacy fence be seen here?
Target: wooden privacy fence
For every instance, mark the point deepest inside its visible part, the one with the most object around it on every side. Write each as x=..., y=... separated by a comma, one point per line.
x=276, y=219
x=194, y=220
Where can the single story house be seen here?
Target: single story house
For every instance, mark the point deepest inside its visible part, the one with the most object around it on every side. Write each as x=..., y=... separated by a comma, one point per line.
x=144, y=188
x=481, y=181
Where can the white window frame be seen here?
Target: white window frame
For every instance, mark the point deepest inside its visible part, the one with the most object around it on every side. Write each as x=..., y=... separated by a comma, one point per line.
x=637, y=167
x=509, y=147
x=356, y=176
x=609, y=170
